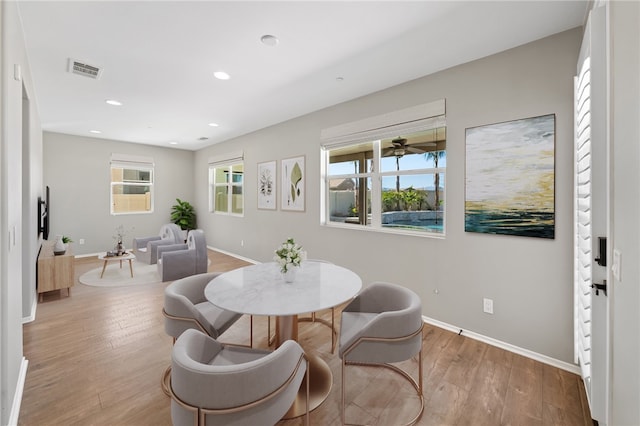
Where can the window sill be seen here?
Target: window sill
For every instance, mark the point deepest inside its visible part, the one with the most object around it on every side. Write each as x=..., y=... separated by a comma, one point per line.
x=227, y=214
x=394, y=231
x=124, y=213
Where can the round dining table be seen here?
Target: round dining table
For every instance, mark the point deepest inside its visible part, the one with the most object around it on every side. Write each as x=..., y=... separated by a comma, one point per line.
x=261, y=290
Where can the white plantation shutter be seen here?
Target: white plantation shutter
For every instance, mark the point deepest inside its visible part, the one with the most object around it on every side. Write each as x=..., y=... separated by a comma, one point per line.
x=582, y=223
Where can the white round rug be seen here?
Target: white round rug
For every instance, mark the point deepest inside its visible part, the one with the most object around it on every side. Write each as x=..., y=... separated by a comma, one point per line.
x=114, y=276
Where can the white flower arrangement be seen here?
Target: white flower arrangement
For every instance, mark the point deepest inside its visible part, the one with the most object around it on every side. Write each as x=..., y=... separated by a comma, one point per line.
x=121, y=232
x=289, y=255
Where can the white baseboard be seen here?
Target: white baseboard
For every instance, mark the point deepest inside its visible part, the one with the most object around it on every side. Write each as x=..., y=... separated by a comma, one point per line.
x=237, y=256
x=572, y=368
x=228, y=253
x=17, y=397
x=31, y=317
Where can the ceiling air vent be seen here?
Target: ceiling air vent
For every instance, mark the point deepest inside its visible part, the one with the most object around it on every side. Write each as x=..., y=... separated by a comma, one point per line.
x=80, y=68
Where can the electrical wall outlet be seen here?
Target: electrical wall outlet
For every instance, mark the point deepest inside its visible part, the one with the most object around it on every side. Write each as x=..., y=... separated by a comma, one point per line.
x=81, y=241
x=487, y=305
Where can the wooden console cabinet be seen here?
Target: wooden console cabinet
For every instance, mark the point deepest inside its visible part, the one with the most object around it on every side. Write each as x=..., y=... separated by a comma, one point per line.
x=55, y=272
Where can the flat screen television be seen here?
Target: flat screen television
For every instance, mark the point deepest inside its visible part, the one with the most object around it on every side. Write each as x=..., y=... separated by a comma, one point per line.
x=43, y=215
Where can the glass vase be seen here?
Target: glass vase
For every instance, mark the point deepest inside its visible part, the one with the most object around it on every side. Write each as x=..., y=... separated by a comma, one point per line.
x=290, y=275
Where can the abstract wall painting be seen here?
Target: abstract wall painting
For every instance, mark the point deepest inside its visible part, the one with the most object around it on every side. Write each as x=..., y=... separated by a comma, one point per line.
x=510, y=178
x=267, y=185
x=293, y=184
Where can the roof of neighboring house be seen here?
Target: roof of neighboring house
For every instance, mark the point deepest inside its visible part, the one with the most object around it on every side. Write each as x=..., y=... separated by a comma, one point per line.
x=342, y=184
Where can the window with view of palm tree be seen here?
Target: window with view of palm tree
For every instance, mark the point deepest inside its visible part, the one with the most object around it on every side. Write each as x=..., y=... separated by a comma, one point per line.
x=403, y=175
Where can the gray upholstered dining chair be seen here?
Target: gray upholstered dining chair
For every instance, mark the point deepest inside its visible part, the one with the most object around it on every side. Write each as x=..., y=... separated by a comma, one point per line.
x=179, y=261
x=146, y=248
x=217, y=384
x=186, y=307
x=382, y=325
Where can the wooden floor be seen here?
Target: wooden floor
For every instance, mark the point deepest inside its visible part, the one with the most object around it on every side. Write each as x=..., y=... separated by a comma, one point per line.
x=96, y=358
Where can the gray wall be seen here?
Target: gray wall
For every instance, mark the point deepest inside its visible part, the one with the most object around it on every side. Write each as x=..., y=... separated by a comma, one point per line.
x=76, y=169
x=529, y=279
x=20, y=137
x=624, y=294
x=31, y=190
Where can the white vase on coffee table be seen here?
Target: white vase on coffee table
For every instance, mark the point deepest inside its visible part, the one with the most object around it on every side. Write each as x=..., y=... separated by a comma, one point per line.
x=59, y=247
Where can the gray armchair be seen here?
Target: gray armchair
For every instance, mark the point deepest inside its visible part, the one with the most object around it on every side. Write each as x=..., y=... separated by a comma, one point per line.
x=186, y=307
x=146, y=249
x=181, y=260
x=382, y=325
x=217, y=384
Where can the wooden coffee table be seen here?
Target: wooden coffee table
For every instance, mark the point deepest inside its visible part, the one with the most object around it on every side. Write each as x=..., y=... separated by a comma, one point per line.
x=107, y=259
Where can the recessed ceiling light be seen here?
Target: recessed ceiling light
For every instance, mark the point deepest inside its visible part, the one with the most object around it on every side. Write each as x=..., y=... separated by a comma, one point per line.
x=173, y=143
x=269, y=40
x=113, y=102
x=213, y=124
x=221, y=75
x=97, y=132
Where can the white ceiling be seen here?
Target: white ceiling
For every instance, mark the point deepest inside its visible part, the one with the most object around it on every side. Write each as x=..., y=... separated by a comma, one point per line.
x=158, y=58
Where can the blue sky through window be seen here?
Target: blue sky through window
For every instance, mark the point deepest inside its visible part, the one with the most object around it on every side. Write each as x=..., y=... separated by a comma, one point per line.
x=407, y=162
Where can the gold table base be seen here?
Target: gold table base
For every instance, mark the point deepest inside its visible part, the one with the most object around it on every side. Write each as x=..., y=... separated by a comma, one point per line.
x=320, y=377
x=320, y=380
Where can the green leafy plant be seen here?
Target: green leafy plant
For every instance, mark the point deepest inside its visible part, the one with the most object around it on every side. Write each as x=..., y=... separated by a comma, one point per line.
x=391, y=201
x=183, y=215
x=411, y=198
x=66, y=239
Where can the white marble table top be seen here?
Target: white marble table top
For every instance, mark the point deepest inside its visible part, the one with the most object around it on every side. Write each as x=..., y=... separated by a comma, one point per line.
x=261, y=290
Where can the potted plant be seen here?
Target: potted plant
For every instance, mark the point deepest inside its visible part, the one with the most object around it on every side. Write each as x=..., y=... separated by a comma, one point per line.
x=183, y=215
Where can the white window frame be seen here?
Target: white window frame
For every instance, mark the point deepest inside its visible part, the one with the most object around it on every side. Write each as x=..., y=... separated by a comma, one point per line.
x=230, y=161
x=131, y=162
x=374, y=129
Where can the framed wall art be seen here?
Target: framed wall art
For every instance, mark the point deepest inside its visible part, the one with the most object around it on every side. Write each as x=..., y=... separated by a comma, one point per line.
x=293, y=184
x=267, y=183
x=510, y=178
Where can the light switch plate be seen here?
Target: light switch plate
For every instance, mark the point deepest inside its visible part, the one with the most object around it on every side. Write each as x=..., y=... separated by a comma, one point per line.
x=616, y=268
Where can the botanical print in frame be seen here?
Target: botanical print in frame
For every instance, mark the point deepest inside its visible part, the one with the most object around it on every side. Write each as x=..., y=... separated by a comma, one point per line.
x=267, y=185
x=510, y=178
x=293, y=184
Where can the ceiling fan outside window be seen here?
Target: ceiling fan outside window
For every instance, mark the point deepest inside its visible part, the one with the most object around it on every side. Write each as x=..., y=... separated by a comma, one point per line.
x=431, y=140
